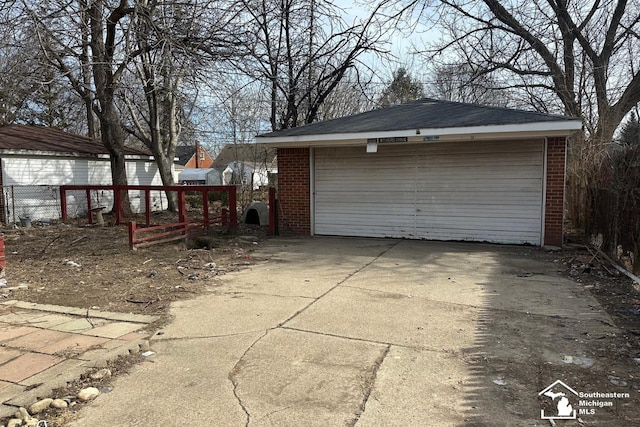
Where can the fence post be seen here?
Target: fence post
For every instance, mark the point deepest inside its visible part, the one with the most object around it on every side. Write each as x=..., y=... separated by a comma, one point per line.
x=89, y=216
x=205, y=208
x=182, y=206
x=13, y=204
x=272, y=211
x=233, y=209
x=63, y=202
x=132, y=231
x=147, y=204
x=2, y=258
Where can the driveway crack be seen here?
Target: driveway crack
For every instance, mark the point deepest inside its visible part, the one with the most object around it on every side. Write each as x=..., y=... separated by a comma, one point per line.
x=235, y=370
x=369, y=385
x=349, y=276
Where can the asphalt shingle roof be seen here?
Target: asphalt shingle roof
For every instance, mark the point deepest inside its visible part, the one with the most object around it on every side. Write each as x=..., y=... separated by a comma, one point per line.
x=39, y=138
x=184, y=153
x=255, y=154
x=424, y=113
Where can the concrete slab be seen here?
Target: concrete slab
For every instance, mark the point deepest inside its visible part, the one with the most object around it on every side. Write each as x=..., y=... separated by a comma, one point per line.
x=51, y=308
x=413, y=386
x=81, y=312
x=20, y=317
x=368, y=332
x=9, y=390
x=48, y=320
x=186, y=383
x=290, y=378
x=38, y=340
x=67, y=370
x=227, y=314
x=291, y=271
x=8, y=332
x=390, y=318
x=114, y=329
x=77, y=325
x=73, y=345
x=7, y=354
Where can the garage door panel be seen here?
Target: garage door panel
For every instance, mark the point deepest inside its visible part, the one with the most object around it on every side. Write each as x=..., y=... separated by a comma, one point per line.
x=485, y=213
x=472, y=223
x=445, y=196
x=480, y=191
x=508, y=237
x=365, y=197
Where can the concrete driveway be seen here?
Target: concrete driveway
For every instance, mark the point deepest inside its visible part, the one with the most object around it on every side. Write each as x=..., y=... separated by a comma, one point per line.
x=367, y=332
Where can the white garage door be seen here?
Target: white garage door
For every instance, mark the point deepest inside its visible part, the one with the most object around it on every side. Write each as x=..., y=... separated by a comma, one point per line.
x=479, y=191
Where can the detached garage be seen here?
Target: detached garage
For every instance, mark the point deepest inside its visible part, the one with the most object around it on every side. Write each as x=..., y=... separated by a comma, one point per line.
x=429, y=169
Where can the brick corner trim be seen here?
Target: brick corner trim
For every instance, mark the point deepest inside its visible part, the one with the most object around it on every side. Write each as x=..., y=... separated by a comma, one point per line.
x=294, y=184
x=555, y=186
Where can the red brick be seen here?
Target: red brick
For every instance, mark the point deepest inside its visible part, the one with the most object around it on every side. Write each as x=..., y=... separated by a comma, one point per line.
x=555, y=181
x=293, y=191
x=26, y=365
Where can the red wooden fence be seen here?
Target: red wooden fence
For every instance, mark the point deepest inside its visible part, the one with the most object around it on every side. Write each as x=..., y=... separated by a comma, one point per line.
x=140, y=237
x=181, y=190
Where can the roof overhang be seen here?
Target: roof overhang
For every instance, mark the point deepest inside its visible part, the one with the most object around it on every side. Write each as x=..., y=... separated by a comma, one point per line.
x=42, y=153
x=475, y=133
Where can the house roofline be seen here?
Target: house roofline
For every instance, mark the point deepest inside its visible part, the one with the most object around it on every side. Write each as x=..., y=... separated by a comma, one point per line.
x=512, y=131
x=43, y=153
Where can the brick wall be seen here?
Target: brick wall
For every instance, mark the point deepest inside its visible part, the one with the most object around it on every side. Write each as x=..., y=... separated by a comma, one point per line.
x=554, y=203
x=294, y=214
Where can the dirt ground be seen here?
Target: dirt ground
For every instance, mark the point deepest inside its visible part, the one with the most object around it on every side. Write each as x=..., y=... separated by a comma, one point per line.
x=92, y=267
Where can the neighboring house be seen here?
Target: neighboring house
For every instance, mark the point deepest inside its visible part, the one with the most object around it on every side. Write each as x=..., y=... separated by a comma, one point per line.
x=187, y=158
x=40, y=156
x=252, y=165
x=428, y=169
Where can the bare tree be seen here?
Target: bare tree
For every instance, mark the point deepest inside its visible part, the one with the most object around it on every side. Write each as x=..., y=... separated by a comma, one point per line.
x=173, y=42
x=82, y=41
x=302, y=49
x=460, y=83
x=30, y=91
x=351, y=96
x=579, y=52
x=95, y=44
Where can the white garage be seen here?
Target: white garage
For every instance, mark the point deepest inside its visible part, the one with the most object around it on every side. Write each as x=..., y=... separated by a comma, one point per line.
x=445, y=191
x=429, y=169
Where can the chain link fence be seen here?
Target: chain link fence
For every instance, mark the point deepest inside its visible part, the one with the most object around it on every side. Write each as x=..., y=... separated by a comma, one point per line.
x=41, y=203
x=30, y=203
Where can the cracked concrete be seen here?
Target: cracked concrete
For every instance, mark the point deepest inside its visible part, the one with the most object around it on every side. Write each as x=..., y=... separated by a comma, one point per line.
x=357, y=332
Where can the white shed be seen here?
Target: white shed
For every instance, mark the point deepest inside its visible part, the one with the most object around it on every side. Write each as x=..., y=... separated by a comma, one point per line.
x=45, y=158
x=201, y=176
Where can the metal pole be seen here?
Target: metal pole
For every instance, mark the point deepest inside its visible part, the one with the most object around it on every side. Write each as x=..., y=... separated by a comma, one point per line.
x=13, y=204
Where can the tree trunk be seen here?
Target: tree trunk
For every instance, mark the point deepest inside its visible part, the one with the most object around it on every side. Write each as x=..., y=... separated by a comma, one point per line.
x=112, y=134
x=164, y=167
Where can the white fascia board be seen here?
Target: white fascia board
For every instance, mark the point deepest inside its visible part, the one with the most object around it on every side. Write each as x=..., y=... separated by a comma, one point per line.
x=33, y=153
x=519, y=131
x=132, y=157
